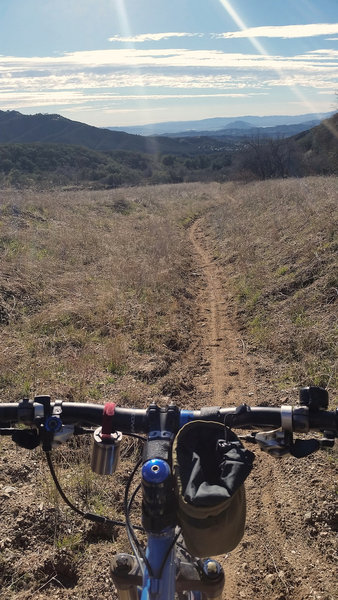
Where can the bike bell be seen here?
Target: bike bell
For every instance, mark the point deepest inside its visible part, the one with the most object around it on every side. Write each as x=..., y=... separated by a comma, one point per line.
x=106, y=445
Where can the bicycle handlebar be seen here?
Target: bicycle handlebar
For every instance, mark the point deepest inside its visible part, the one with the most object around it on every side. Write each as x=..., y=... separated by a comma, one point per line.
x=56, y=422
x=135, y=420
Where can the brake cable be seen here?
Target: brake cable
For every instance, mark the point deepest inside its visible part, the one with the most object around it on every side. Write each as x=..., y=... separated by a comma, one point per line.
x=168, y=552
x=135, y=544
x=85, y=515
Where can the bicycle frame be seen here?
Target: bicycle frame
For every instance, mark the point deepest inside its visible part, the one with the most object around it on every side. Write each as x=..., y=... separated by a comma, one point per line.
x=129, y=581
x=163, y=573
x=166, y=568
x=177, y=576
x=160, y=551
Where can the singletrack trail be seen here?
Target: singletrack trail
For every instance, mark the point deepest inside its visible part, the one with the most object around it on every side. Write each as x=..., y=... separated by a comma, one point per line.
x=221, y=346
x=285, y=554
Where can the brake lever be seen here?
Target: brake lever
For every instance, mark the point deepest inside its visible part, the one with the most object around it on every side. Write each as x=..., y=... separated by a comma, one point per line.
x=279, y=442
x=275, y=442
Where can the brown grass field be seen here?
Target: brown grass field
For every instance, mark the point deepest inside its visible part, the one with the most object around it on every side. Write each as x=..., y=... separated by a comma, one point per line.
x=104, y=297
x=91, y=284
x=277, y=243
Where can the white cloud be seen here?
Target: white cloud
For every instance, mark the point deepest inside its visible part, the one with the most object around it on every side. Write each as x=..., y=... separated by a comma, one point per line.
x=111, y=76
x=167, y=58
x=126, y=79
x=28, y=99
x=304, y=81
x=324, y=52
x=64, y=99
x=176, y=96
x=283, y=31
x=152, y=37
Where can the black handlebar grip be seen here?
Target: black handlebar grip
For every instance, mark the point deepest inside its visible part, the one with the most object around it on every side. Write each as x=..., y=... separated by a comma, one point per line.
x=8, y=413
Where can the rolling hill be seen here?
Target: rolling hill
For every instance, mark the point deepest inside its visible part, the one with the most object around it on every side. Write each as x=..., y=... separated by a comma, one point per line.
x=70, y=153
x=242, y=129
x=216, y=124
x=18, y=128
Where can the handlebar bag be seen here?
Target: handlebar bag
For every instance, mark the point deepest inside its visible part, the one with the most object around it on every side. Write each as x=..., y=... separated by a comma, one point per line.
x=210, y=466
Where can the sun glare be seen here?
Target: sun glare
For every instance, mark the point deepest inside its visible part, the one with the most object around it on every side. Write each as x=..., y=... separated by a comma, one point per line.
x=260, y=48
x=123, y=18
x=242, y=26
x=126, y=32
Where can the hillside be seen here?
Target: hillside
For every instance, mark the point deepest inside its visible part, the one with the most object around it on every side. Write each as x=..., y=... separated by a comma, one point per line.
x=320, y=145
x=48, y=165
x=18, y=128
x=25, y=165
x=230, y=157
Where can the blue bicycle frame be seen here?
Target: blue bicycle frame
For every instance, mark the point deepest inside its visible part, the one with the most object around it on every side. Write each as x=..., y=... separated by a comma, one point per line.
x=161, y=557
x=163, y=573
x=160, y=572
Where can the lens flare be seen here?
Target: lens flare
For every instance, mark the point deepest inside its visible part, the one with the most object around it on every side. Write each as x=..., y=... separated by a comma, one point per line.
x=126, y=32
x=241, y=25
x=123, y=18
x=260, y=48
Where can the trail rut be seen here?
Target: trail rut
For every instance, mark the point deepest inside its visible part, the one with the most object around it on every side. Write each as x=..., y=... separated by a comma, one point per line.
x=285, y=554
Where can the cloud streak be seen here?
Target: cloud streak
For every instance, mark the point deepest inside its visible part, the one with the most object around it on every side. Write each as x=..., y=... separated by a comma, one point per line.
x=169, y=58
x=64, y=99
x=283, y=31
x=152, y=37
x=270, y=31
x=113, y=79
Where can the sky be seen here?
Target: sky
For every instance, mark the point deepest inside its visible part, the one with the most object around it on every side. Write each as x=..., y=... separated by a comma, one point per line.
x=132, y=62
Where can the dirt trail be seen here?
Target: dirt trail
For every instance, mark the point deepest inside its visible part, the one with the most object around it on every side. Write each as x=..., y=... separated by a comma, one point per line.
x=221, y=346
x=287, y=552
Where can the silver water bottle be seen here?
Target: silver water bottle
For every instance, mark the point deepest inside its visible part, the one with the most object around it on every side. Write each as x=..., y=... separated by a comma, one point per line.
x=106, y=452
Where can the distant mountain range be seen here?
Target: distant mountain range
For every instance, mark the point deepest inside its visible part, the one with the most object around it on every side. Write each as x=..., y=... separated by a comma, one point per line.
x=18, y=128
x=55, y=129
x=223, y=134
x=48, y=150
x=217, y=124
x=242, y=130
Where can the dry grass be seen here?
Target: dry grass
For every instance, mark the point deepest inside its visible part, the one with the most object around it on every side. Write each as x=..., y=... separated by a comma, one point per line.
x=278, y=243
x=95, y=305
x=90, y=283
x=95, y=287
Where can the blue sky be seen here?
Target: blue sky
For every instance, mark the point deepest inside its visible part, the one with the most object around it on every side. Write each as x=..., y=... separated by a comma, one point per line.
x=130, y=62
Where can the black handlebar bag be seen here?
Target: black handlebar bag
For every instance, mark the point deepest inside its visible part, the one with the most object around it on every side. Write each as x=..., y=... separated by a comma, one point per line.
x=210, y=466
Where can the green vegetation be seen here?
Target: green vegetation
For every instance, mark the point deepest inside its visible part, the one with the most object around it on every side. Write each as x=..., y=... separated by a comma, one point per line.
x=320, y=147
x=150, y=161
x=49, y=165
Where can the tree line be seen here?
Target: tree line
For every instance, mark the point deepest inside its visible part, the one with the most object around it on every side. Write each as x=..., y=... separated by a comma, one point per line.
x=310, y=153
